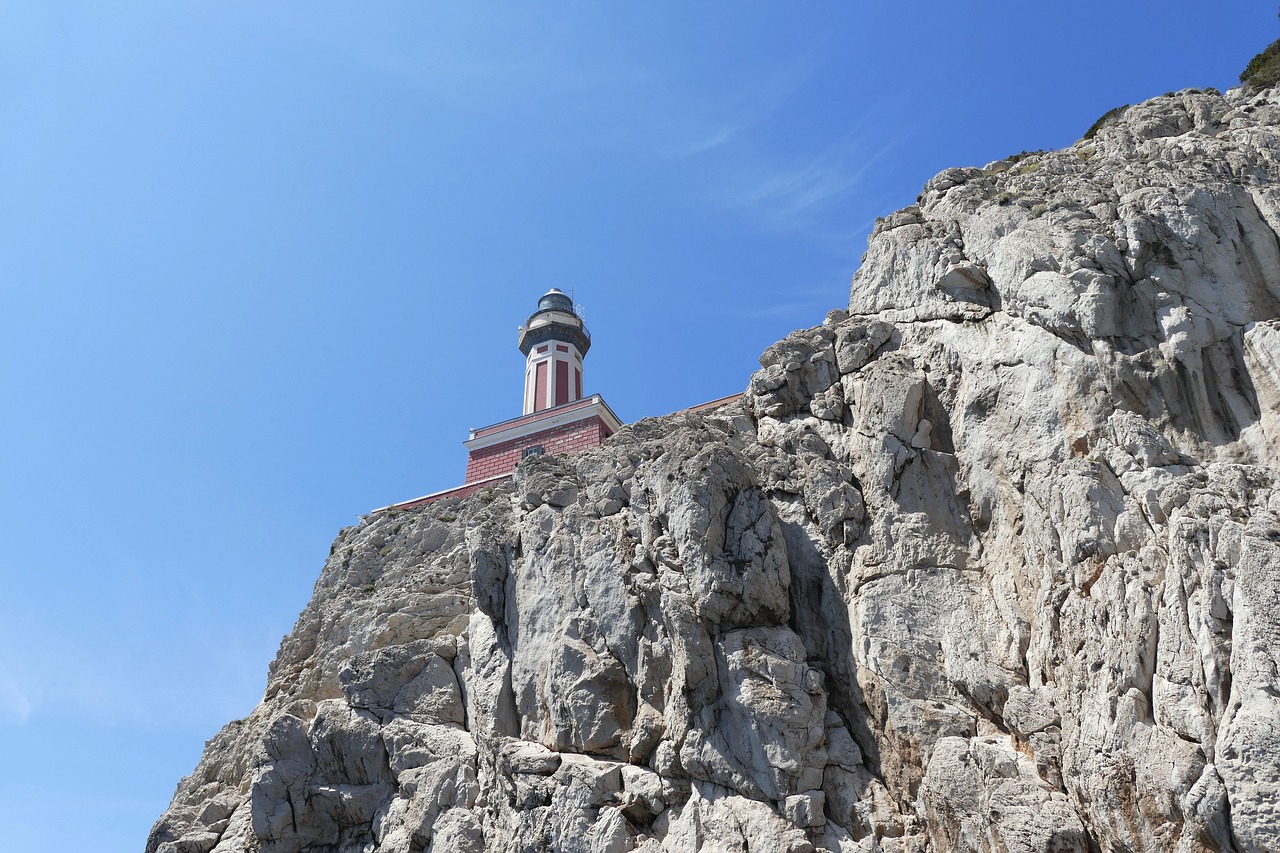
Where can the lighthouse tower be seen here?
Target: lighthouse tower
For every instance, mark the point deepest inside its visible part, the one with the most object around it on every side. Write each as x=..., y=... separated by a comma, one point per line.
x=554, y=342
x=555, y=417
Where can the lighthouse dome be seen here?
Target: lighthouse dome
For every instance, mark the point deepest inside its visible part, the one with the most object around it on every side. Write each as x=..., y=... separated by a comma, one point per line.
x=555, y=300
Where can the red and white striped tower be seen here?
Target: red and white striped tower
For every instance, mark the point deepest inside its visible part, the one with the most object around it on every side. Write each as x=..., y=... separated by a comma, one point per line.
x=554, y=342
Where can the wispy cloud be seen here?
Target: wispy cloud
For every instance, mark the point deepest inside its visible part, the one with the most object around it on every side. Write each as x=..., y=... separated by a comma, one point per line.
x=16, y=701
x=753, y=107
x=457, y=56
x=787, y=193
x=20, y=648
x=761, y=172
x=714, y=140
x=88, y=667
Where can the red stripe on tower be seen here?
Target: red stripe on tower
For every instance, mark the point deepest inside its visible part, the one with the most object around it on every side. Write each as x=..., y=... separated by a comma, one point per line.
x=540, y=387
x=562, y=382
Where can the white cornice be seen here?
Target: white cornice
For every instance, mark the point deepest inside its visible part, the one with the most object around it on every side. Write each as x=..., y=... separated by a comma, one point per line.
x=596, y=408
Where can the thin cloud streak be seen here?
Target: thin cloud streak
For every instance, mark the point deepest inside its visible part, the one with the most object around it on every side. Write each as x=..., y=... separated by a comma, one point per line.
x=788, y=195
x=754, y=108
x=16, y=706
x=715, y=140
x=45, y=668
x=457, y=63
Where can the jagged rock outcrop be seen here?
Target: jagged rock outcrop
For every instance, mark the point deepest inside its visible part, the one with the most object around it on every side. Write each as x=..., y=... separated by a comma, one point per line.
x=988, y=562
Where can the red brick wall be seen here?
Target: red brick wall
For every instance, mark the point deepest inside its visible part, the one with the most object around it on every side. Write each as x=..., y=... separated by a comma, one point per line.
x=502, y=458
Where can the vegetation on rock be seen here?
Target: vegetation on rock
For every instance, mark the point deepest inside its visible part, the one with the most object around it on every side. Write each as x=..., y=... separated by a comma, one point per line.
x=1109, y=117
x=1263, y=71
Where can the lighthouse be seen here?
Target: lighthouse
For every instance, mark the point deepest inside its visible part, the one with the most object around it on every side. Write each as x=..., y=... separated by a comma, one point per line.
x=554, y=342
x=555, y=416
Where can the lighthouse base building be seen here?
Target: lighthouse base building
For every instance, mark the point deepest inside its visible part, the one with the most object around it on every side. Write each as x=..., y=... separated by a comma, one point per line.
x=494, y=451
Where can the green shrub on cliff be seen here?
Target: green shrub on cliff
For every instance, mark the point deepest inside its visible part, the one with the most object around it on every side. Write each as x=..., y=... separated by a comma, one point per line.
x=1105, y=119
x=1263, y=70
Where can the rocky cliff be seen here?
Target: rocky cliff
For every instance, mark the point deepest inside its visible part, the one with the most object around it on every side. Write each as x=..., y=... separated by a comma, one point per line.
x=989, y=561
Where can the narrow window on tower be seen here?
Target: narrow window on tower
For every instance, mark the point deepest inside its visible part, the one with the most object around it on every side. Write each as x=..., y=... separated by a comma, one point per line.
x=540, y=386
x=562, y=382
x=577, y=376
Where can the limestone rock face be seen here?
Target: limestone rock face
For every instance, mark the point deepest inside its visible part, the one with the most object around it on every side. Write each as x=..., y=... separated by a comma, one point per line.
x=988, y=562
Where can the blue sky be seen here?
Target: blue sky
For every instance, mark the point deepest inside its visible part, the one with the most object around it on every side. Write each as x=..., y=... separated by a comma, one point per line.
x=261, y=266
